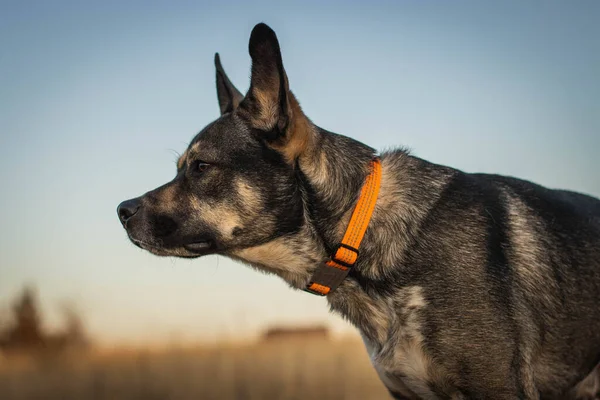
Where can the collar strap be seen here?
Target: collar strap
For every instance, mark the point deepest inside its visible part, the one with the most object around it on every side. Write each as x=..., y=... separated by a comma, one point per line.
x=328, y=276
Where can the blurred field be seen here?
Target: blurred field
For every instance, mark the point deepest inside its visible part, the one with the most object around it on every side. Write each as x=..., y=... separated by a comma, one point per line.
x=299, y=368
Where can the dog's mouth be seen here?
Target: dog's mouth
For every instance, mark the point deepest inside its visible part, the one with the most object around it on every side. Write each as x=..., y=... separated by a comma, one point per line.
x=193, y=249
x=200, y=247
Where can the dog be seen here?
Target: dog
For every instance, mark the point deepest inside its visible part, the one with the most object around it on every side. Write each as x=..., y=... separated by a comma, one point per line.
x=465, y=286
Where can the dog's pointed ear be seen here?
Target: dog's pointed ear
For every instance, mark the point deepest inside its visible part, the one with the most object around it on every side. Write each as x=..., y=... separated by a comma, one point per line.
x=268, y=97
x=269, y=105
x=229, y=97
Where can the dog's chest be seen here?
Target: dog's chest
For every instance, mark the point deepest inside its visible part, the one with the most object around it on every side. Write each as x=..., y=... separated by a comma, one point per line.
x=401, y=360
x=406, y=372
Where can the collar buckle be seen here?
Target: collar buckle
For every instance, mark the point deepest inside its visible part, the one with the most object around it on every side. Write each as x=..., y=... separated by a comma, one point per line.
x=335, y=256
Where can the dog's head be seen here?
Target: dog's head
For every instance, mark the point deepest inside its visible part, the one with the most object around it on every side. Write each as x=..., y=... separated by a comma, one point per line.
x=236, y=186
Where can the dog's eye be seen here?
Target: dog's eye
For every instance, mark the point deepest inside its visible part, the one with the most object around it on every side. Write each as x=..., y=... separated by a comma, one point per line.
x=200, y=166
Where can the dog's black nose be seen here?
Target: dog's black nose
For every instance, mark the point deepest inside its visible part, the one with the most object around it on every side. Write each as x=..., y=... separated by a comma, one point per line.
x=127, y=209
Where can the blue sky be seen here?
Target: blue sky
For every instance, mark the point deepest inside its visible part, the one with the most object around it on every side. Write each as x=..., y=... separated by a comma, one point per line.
x=97, y=98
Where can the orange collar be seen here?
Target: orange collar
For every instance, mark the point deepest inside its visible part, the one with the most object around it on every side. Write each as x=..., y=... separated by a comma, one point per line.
x=328, y=276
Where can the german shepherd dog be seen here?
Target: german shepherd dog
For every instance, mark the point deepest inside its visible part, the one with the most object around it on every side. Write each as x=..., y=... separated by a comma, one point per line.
x=468, y=286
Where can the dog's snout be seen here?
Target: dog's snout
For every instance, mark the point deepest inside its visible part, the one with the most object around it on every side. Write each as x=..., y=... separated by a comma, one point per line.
x=127, y=209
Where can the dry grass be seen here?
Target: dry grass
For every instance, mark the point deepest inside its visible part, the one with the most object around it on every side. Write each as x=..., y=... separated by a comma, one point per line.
x=292, y=369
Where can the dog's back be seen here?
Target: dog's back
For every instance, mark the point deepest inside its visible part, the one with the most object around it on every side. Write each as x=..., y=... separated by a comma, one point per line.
x=525, y=261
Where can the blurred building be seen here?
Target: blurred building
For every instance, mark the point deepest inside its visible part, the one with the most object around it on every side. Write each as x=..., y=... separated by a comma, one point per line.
x=289, y=333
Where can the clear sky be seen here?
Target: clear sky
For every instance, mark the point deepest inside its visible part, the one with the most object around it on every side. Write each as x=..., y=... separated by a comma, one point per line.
x=96, y=98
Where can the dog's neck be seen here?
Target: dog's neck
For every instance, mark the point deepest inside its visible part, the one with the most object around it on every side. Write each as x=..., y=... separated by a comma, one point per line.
x=330, y=174
x=334, y=172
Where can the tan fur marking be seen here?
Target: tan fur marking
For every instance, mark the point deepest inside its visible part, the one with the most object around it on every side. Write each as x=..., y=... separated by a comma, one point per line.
x=392, y=384
x=534, y=277
x=396, y=199
x=292, y=259
x=181, y=160
x=300, y=132
x=169, y=194
x=390, y=200
x=403, y=353
x=193, y=149
x=355, y=304
x=388, y=192
x=533, y=271
x=316, y=168
x=251, y=199
x=267, y=118
x=590, y=386
x=275, y=254
x=167, y=198
x=220, y=217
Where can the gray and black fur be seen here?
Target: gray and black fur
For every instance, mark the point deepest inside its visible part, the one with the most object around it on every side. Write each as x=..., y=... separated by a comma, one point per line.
x=468, y=286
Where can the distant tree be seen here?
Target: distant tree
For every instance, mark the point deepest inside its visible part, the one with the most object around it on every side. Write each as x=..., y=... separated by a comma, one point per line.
x=26, y=332
x=4, y=324
x=75, y=334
